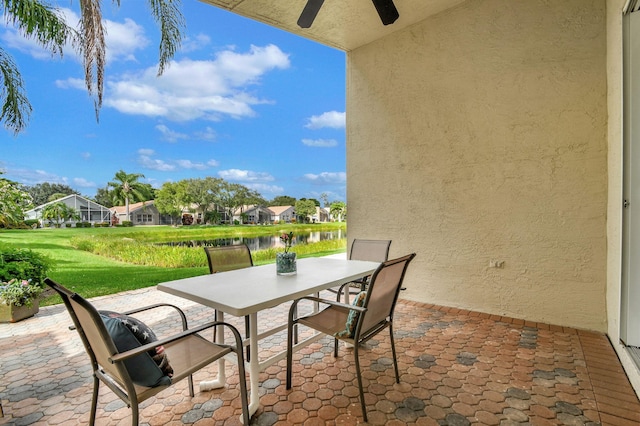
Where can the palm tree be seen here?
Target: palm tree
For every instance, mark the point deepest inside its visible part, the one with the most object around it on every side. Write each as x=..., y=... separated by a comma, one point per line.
x=45, y=24
x=59, y=212
x=126, y=188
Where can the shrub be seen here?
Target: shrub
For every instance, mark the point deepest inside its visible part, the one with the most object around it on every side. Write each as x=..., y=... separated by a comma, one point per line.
x=127, y=223
x=32, y=223
x=22, y=273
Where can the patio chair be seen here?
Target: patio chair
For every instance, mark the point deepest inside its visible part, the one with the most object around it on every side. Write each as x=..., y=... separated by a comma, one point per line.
x=371, y=312
x=372, y=250
x=228, y=258
x=128, y=372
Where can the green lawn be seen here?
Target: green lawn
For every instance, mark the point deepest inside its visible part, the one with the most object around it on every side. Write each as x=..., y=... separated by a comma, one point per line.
x=93, y=275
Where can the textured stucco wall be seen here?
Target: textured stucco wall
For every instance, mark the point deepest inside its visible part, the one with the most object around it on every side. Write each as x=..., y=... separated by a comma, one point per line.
x=481, y=134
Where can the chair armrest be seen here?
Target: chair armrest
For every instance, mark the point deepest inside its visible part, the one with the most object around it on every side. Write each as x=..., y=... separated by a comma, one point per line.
x=183, y=317
x=149, y=346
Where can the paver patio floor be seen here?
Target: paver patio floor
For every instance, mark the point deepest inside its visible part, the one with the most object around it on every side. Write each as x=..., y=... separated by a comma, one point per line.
x=457, y=368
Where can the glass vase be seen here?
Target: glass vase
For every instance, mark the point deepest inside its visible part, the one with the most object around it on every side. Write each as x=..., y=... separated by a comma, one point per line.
x=286, y=263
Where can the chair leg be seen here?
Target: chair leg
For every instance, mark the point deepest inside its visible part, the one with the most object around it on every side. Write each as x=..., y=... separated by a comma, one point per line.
x=289, y=352
x=134, y=411
x=335, y=348
x=190, y=380
x=246, y=416
x=359, y=375
x=94, y=400
x=393, y=351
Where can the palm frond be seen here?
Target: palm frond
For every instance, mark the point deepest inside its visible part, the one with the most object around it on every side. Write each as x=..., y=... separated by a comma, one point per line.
x=93, y=49
x=40, y=22
x=16, y=108
x=167, y=14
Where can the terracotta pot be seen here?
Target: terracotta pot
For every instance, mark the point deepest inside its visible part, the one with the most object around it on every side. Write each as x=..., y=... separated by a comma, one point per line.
x=10, y=313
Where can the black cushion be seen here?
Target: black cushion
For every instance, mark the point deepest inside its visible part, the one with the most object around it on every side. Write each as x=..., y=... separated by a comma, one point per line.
x=149, y=369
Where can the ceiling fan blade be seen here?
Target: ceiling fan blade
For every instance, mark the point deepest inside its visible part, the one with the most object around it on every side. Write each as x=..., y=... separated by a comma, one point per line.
x=387, y=11
x=309, y=13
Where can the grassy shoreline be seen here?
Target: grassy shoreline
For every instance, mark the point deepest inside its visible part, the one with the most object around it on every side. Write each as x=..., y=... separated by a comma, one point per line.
x=109, y=271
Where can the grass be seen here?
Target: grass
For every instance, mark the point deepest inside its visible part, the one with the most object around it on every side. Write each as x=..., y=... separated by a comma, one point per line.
x=102, y=261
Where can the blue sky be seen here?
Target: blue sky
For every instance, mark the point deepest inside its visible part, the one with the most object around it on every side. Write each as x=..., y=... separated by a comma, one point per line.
x=241, y=101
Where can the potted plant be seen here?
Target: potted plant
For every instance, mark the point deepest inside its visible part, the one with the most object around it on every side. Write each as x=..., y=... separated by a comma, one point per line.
x=286, y=260
x=22, y=273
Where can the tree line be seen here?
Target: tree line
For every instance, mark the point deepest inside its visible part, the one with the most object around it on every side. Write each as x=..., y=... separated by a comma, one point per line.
x=213, y=197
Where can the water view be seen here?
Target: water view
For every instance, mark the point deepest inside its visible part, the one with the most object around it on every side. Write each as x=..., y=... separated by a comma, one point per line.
x=265, y=241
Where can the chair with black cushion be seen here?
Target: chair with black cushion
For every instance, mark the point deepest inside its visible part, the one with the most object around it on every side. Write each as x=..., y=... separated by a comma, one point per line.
x=228, y=258
x=362, y=249
x=125, y=365
x=371, y=312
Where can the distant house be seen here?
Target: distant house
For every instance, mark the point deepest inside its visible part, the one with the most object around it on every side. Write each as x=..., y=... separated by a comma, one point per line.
x=253, y=214
x=88, y=211
x=321, y=215
x=282, y=213
x=142, y=213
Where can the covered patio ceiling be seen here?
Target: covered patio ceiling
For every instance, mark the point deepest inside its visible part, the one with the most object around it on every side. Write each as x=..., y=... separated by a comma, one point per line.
x=345, y=25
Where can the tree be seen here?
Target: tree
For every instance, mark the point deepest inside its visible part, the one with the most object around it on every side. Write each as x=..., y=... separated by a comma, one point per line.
x=42, y=192
x=45, y=24
x=13, y=203
x=203, y=193
x=126, y=189
x=338, y=209
x=56, y=196
x=171, y=199
x=325, y=199
x=104, y=197
x=305, y=209
x=59, y=212
x=283, y=200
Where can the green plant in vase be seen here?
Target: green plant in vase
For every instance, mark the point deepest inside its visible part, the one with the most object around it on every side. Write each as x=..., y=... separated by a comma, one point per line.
x=286, y=260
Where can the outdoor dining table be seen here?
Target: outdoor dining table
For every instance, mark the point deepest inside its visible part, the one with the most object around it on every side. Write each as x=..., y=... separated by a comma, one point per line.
x=248, y=291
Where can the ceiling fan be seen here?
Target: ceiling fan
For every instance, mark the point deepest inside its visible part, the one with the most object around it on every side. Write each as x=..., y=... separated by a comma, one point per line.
x=386, y=9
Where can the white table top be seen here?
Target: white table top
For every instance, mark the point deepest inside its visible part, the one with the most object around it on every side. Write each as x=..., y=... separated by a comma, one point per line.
x=249, y=290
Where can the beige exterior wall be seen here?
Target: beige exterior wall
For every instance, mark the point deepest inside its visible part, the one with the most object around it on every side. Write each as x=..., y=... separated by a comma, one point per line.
x=487, y=127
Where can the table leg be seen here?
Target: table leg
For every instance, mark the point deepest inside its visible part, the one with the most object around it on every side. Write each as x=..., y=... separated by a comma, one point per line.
x=219, y=382
x=254, y=365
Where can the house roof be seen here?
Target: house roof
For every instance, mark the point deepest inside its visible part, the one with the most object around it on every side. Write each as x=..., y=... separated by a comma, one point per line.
x=71, y=200
x=278, y=210
x=132, y=207
x=345, y=25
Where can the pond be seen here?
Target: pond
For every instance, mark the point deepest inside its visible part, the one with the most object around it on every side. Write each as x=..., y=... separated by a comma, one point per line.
x=263, y=242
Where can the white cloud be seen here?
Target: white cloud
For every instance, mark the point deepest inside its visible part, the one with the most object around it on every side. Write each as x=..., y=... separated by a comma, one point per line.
x=213, y=163
x=188, y=164
x=244, y=175
x=326, y=177
x=155, y=164
x=83, y=183
x=146, y=158
x=33, y=177
x=320, y=143
x=122, y=39
x=170, y=135
x=268, y=191
x=332, y=119
x=190, y=90
x=196, y=43
x=85, y=155
x=208, y=134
